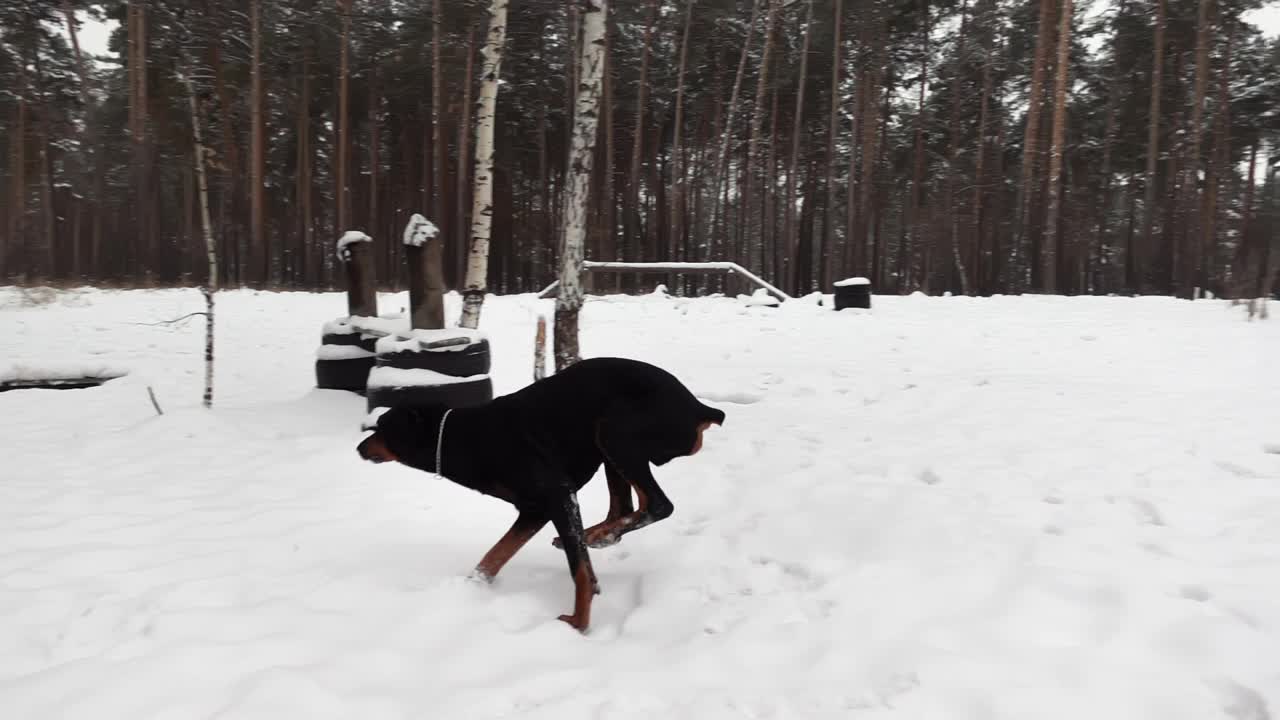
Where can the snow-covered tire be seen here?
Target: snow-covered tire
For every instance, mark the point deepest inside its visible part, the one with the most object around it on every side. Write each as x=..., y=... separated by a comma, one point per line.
x=853, y=293
x=467, y=393
x=366, y=342
x=471, y=360
x=349, y=374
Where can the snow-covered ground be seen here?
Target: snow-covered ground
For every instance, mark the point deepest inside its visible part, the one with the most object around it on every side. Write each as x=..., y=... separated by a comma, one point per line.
x=946, y=508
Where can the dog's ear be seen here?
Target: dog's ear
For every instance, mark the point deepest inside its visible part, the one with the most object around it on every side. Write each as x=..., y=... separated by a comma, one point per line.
x=374, y=449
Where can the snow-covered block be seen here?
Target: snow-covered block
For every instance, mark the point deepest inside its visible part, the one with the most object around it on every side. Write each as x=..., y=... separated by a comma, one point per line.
x=851, y=282
x=441, y=340
x=389, y=377
x=342, y=352
x=16, y=372
x=349, y=237
x=419, y=230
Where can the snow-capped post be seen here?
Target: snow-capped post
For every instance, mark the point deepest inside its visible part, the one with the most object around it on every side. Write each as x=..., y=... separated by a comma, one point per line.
x=355, y=253
x=581, y=152
x=426, y=276
x=482, y=199
x=854, y=292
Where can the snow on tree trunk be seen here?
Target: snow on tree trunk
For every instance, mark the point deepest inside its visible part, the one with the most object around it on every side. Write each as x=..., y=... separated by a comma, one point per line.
x=581, y=153
x=206, y=227
x=482, y=202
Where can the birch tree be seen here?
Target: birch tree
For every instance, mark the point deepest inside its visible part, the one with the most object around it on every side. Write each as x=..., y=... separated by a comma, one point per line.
x=206, y=226
x=581, y=153
x=482, y=201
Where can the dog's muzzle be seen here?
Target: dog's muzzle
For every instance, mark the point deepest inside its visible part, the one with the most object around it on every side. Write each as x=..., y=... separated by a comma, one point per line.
x=374, y=450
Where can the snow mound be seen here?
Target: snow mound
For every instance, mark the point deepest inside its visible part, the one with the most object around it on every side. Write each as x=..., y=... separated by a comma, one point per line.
x=759, y=298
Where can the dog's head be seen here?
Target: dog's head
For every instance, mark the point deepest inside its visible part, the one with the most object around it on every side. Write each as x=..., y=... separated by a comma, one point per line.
x=374, y=449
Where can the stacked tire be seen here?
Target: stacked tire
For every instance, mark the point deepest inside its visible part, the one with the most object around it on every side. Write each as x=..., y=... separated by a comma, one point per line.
x=345, y=356
x=430, y=367
x=853, y=292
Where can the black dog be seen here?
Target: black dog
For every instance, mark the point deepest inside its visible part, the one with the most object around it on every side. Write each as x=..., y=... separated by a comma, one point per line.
x=536, y=447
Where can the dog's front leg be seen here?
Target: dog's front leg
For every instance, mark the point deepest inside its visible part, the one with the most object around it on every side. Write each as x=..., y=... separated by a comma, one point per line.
x=527, y=524
x=620, y=506
x=567, y=519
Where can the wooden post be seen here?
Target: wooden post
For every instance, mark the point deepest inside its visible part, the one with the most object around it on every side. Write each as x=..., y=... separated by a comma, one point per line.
x=426, y=273
x=356, y=253
x=540, y=350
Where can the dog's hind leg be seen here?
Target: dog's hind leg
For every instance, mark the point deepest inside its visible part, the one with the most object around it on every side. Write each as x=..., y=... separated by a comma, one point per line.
x=568, y=522
x=527, y=525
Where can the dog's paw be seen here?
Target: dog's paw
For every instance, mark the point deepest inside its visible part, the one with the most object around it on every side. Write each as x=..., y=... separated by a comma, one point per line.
x=603, y=541
x=575, y=622
x=480, y=576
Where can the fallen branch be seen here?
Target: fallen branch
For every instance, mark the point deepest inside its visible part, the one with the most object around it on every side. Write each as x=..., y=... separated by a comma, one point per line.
x=154, y=403
x=175, y=321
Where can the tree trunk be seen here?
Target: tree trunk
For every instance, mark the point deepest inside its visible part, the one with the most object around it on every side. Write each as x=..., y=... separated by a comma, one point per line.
x=913, y=220
x=47, y=211
x=1030, y=153
x=375, y=162
x=1050, y=251
x=722, y=157
x=1147, y=248
x=439, y=155
x=89, y=143
x=482, y=204
x=1193, y=271
x=634, y=224
x=582, y=153
x=825, y=275
x=747, y=201
x=303, y=192
x=344, y=119
x=464, y=155
x=1218, y=167
x=792, y=234
x=257, y=153
x=1244, y=261
x=677, y=155
x=953, y=152
x=211, y=282
x=979, y=264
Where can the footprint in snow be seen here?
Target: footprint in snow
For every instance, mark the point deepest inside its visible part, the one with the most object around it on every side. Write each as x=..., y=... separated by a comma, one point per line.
x=1199, y=593
x=1242, y=702
x=1147, y=512
x=929, y=477
x=1237, y=470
